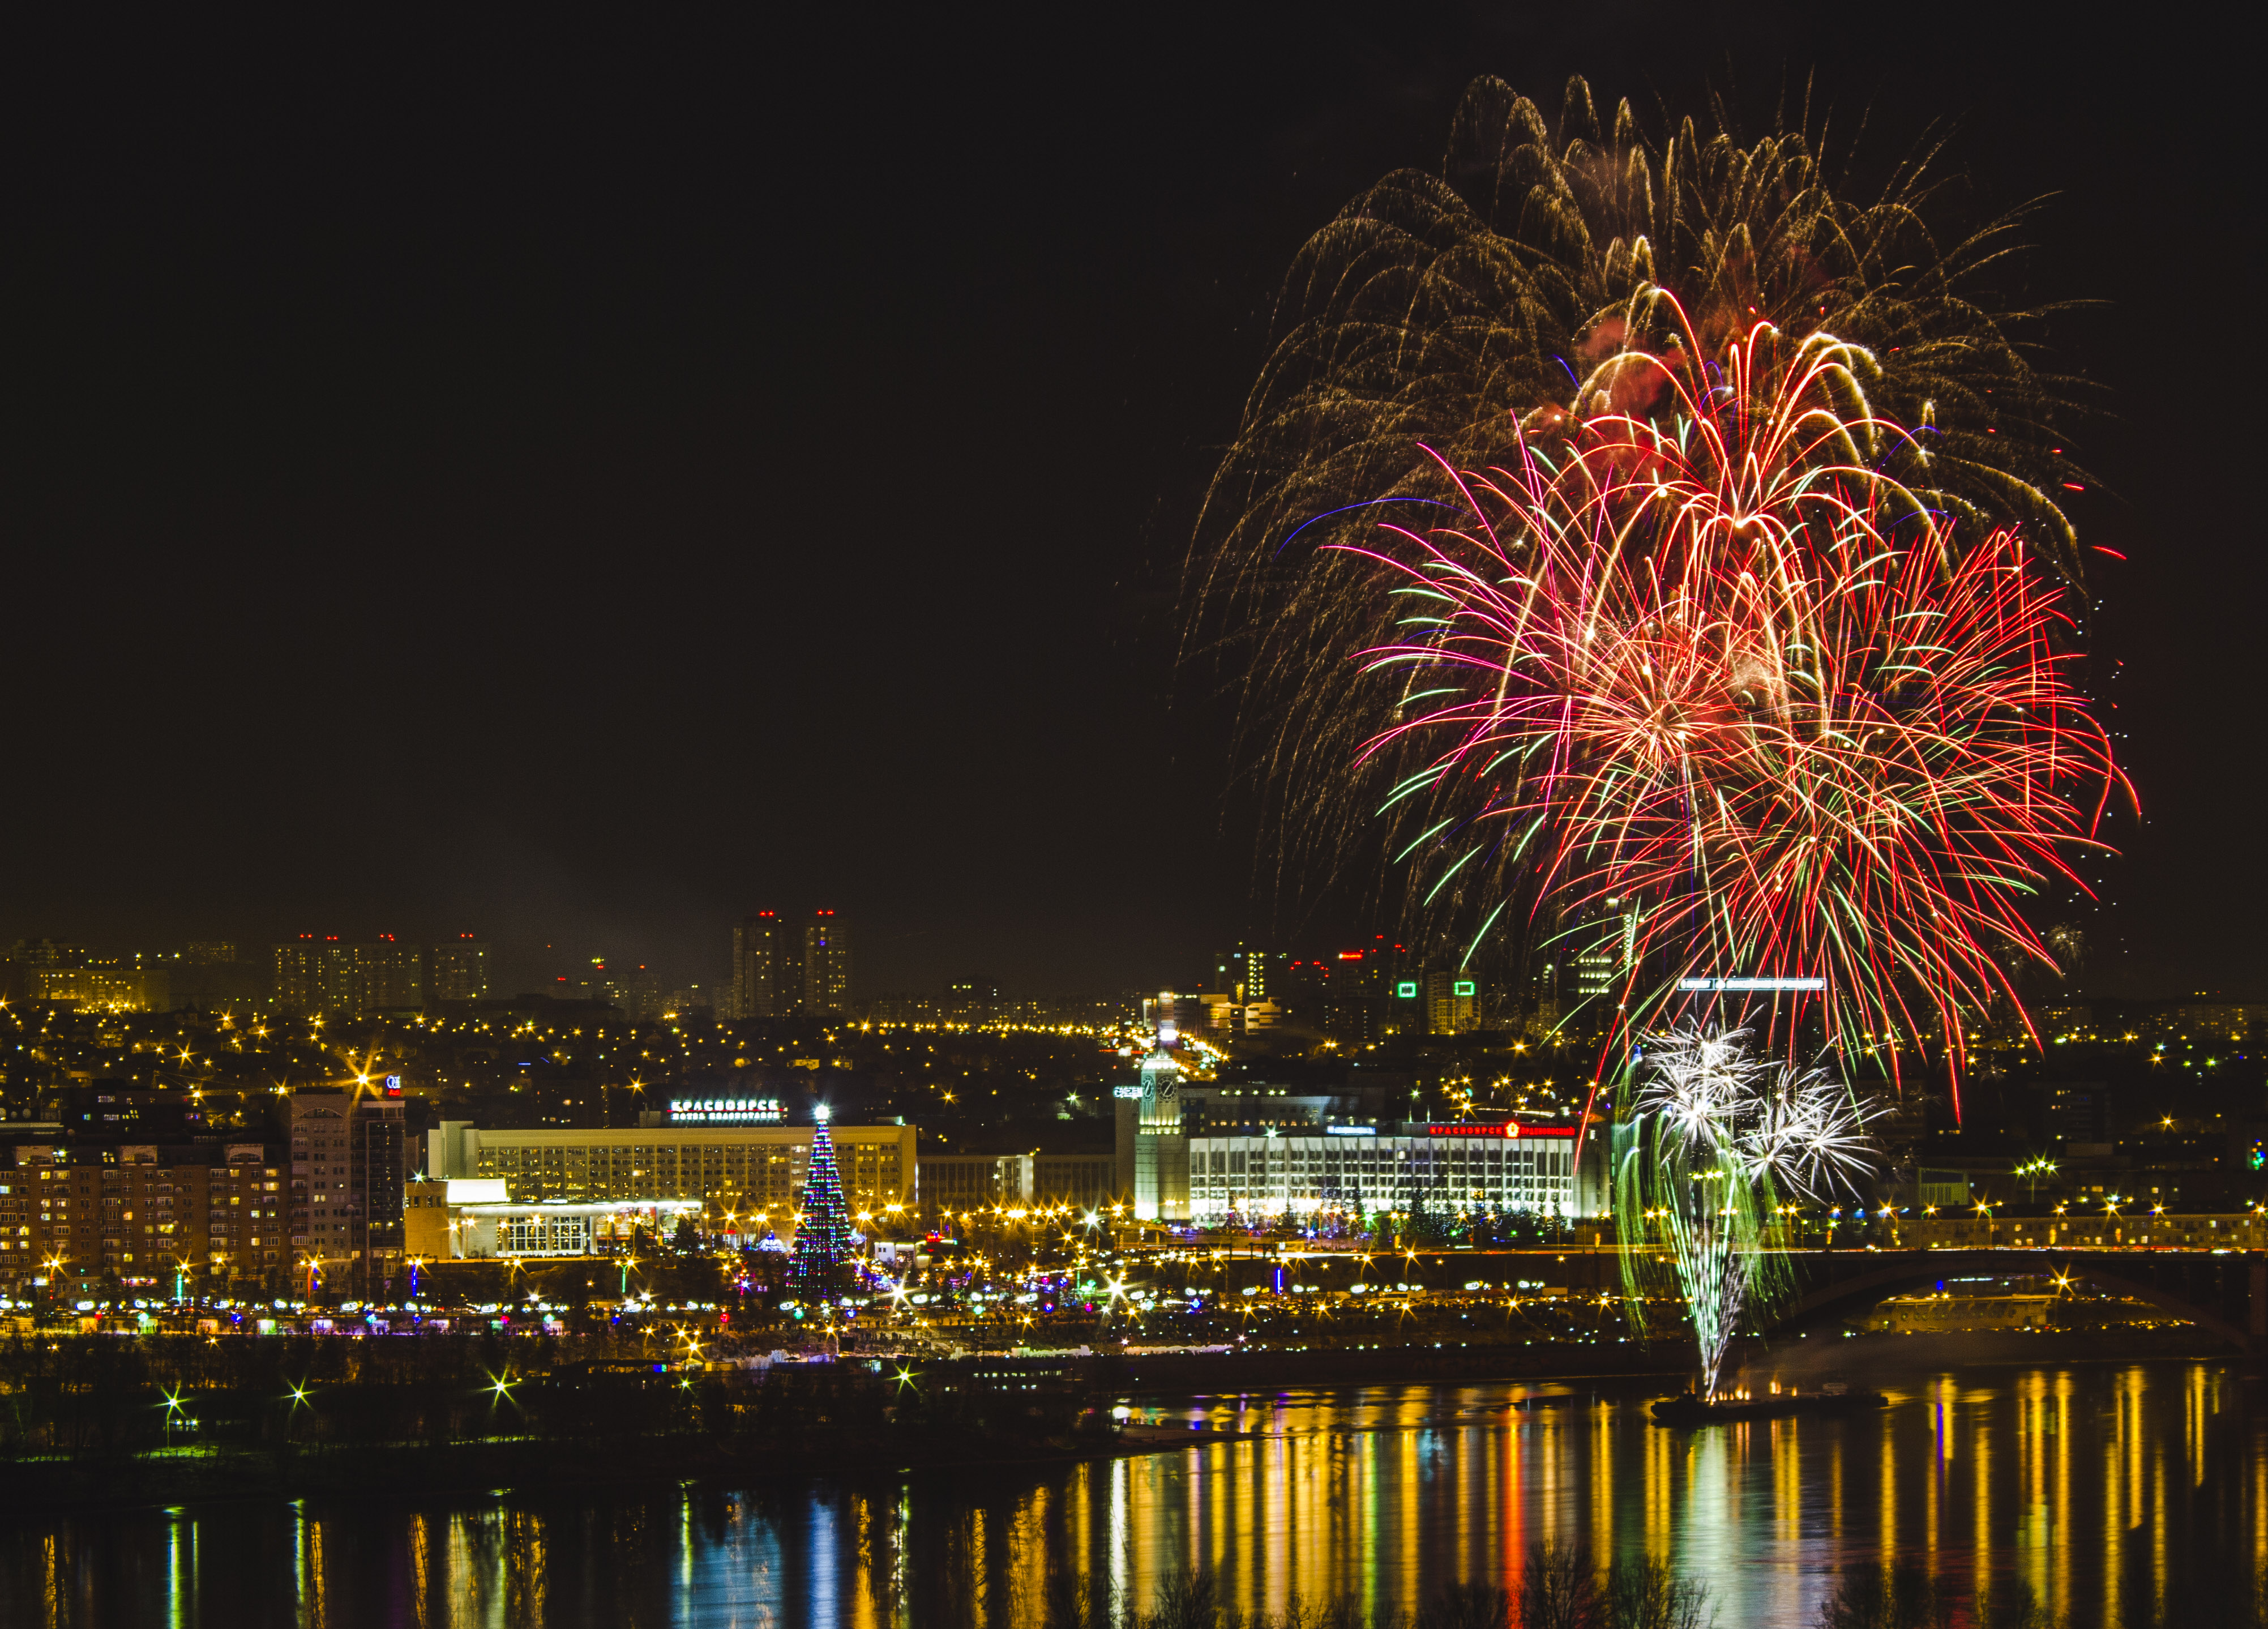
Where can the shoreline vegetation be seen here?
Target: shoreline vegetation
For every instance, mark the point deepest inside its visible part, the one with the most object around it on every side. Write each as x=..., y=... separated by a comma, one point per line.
x=111, y=1420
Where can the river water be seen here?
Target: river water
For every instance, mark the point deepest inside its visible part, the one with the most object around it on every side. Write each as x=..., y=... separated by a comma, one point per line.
x=2102, y=1486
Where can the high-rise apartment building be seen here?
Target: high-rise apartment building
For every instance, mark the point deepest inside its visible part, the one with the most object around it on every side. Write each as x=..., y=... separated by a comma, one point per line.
x=778, y=971
x=316, y=975
x=1453, y=1006
x=826, y=963
x=458, y=971
x=393, y=976
x=764, y=982
x=1250, y=975
x=2079, y=1112
x=207, y=1213
x=1606, y=949
x=340, y=980
x=348, y=1161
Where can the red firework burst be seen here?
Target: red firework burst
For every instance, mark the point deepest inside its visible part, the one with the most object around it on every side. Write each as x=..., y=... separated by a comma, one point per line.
x=1696, y=655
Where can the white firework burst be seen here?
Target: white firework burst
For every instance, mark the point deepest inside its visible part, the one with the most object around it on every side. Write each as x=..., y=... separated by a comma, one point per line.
x=1720, y=1133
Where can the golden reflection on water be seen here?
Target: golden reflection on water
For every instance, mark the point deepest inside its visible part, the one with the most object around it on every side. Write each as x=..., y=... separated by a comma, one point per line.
x=2087, y=1484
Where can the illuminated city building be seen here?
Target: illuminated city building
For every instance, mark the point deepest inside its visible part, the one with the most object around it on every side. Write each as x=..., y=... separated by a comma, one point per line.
x=2078, y=1112
x=779, y=971
x=826, y=964
x=350, y=1160
x=971, y=1182
x=1158, y=1119
x=1496, y=1167
x=1604, y=950
x=1173, y=1013
x=47, y=971
x=971, y=1003
x=471, y=1219
x=318, y=975
x=1453, y=1006
x=1248, y=975
x=1150, y=1127
x=460, y=970
x=344, y=981
x=967, y=1182
x=203, y=1217
x=728, y=1168
x=393, y=976
x=1085, y=1180
x=116, y=1110
x=763, y=967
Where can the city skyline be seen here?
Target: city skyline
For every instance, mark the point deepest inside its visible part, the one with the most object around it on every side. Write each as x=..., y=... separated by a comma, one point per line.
x=1276, y=816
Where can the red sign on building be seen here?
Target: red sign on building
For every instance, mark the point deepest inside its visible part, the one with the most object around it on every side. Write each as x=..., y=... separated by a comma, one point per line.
x=1497, y=1128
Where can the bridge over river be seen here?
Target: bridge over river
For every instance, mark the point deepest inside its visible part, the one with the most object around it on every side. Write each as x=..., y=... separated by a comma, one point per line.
x=2223, y=1290
x=2209, y=1271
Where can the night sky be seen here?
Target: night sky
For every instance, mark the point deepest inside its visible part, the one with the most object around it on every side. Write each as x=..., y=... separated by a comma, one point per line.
x=576, y=487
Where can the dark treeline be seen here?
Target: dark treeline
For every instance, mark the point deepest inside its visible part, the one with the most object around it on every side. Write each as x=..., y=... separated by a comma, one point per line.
x=97, y=1417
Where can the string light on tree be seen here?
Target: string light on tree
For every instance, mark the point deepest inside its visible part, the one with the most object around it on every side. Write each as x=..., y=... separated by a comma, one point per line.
x=822, y=1243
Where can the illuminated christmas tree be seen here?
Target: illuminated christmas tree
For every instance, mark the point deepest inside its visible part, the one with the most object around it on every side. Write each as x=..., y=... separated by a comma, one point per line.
x=822, y=1241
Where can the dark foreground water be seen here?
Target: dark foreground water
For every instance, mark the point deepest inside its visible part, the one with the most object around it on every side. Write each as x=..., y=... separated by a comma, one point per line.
x=2100, y=1487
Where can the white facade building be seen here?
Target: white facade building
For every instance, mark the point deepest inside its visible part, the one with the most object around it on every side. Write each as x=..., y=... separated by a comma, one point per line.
x=1493, y=1167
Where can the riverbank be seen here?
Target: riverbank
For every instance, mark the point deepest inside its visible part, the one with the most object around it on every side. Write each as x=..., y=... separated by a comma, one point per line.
x=732, y=1427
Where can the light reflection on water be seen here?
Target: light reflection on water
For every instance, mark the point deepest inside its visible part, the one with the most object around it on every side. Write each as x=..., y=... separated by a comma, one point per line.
x=2095, y=1485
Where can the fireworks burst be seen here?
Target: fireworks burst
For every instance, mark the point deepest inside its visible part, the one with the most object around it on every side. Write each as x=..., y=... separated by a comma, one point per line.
x=1716, y=1139
x=1497, y=316
x=1701, y=667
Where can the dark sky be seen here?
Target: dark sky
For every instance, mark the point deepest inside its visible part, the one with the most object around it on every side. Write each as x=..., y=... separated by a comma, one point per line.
x=578, y=486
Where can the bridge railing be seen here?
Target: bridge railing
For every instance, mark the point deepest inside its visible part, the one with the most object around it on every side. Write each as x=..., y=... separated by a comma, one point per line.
x=2094, y=1231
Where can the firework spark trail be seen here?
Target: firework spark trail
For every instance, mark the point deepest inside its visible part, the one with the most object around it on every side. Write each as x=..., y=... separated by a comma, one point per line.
x=1715, y=1138
x=1712, y=664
